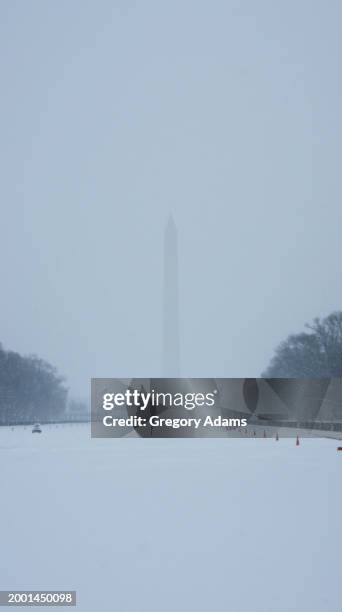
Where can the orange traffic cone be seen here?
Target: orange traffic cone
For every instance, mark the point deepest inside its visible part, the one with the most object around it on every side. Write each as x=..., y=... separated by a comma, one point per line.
x=297, y=441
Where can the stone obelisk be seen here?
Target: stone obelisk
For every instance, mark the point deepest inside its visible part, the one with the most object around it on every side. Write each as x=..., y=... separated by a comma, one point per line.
x=170, y=347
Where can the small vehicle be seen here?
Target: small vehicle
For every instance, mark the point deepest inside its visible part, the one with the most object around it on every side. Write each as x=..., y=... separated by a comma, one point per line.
x=36, y=428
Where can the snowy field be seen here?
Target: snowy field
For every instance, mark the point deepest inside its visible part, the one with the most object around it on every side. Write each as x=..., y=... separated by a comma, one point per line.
x=172, y=525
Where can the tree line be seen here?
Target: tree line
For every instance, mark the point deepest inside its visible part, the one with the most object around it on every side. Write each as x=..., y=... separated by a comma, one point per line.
x=316, y=353
x=30, y=389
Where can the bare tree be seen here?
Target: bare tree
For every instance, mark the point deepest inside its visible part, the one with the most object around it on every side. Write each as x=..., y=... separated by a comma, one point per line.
x=313, y=354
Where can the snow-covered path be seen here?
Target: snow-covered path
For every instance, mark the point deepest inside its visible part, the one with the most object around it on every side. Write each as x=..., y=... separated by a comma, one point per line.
x=162, y=525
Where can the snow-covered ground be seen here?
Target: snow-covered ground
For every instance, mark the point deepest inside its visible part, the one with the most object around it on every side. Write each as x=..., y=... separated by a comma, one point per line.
x=163, y=525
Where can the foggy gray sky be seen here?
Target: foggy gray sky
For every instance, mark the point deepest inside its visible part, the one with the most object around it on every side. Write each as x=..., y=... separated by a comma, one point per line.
x=113, y=114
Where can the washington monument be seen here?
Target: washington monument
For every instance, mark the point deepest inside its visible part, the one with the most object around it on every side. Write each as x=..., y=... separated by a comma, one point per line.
x=170, y=346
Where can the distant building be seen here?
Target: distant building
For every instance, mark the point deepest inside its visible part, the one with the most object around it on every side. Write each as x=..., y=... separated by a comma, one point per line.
x=78, y=410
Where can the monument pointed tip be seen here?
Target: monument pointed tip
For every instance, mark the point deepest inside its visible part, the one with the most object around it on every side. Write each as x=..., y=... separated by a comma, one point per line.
x=171, y=221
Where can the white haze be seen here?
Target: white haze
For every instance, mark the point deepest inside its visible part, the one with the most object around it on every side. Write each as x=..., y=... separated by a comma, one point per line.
x=228, y=114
